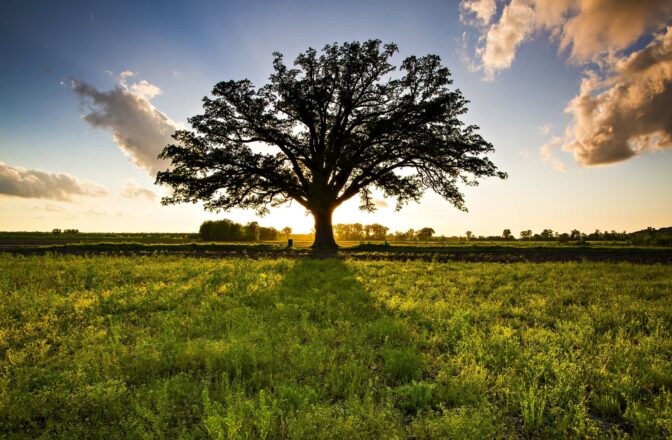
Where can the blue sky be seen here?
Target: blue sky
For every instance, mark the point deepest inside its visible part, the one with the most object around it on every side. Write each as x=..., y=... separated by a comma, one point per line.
x=184, y=48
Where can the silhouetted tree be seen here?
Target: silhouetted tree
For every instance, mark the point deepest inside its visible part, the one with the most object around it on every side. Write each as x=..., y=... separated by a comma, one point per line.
x=526, y=235
x=268, y=233
x=355, y=231
x=222, y=230
x=506, y=234
x=342, y=231
x=597, y=235
x=351, y=231
x=376, y=231
x=251, y=232
x=367, y=232
x=287, y=231
x=333, y=126
x=399, y=236
x=469, y=235
x=425, y=233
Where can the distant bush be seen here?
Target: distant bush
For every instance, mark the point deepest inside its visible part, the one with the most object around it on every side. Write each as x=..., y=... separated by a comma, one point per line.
x=228, y=230
x=649, y=236
x=268, y=233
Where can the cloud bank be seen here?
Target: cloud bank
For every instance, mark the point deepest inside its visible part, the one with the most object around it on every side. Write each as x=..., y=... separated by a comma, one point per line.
x=21, y=182
x=138, y=128
x=623, y=106
x=588, y=29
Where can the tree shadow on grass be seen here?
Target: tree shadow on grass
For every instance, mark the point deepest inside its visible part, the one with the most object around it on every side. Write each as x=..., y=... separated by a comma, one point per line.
x=323, y=320
x=326, y=354
x=327, y=359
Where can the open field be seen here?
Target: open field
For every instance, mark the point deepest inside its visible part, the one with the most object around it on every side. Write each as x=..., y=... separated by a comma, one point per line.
x=167, y=346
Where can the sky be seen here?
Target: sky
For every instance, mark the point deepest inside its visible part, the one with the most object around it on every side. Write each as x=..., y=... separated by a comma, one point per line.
x=575, y=95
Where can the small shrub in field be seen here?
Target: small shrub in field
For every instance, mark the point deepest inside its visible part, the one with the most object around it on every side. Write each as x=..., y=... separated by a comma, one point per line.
x=402, y=365
x=414, y=397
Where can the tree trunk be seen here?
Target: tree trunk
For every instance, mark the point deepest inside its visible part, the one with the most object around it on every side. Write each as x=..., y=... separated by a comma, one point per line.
x=324, y=232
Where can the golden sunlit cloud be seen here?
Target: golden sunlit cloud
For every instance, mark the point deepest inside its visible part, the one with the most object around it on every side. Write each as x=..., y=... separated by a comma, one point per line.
x=483, y=10
x=589, y=29
x=628, y=112
x=25, y=183
x=623, y=108
x=504, y=37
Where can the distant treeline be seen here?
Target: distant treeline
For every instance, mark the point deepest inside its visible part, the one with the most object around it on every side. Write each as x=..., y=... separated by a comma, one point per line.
x=228, y=230
x=647, y=236
x=377, y=232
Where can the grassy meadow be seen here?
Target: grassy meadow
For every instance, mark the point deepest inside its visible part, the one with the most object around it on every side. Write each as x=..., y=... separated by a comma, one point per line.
x=173, y=347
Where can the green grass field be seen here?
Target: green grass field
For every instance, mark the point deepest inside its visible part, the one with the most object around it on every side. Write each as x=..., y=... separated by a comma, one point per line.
x=168, y=347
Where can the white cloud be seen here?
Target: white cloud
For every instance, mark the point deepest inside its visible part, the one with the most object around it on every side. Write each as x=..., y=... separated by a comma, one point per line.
x=483, y=10
x=22, y=182
x=547, y=153
x=145, y=89
x=132, y=190
x=503, y=38
x=545, y=129
x=138, y=128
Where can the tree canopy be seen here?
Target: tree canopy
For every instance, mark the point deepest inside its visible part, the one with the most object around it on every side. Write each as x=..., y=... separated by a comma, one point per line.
x=335, y=125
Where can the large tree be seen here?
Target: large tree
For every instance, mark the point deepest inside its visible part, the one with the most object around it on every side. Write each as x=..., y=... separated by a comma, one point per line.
x=336, y=125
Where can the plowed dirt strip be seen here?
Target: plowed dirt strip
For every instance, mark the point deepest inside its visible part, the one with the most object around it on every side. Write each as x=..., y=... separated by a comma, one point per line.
x=649, y=256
